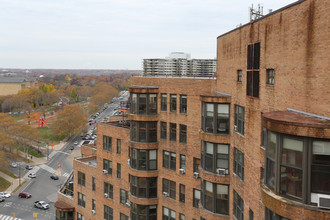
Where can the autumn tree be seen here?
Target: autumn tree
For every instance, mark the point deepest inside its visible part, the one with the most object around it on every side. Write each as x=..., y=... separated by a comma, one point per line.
x=70, y=121
x=13, y=132
x=67, y=79
x=73, y=94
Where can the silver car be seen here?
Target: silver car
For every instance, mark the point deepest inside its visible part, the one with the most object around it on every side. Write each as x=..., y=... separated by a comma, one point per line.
x=41, y=205
x=5, y=195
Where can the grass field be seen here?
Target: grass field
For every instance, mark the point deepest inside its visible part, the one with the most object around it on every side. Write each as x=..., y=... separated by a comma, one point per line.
x=47, y=133
x=4, y=184
x=4, y=170
x=31, y=152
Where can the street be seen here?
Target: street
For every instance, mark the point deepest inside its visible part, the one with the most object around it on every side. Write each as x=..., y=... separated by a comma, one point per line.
x=60, y=162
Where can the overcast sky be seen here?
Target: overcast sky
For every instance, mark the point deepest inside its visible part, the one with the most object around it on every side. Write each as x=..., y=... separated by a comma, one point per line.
x=107, y=34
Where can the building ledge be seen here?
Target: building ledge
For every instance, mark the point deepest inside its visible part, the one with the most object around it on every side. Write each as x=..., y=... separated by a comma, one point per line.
x=63, y=206
x=290, y=208
x=90, y=160
x=289, y=122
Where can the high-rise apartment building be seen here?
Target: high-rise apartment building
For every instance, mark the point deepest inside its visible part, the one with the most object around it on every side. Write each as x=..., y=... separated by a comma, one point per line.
x=179, y=63
x=251, y=143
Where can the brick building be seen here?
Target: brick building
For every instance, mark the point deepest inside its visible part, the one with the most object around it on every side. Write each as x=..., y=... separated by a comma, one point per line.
x=250, y=143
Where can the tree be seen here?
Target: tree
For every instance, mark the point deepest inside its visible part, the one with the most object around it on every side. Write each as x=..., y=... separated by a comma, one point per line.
x=70, y=121
x=73, y=94
x=67, y=79
x=13, y=132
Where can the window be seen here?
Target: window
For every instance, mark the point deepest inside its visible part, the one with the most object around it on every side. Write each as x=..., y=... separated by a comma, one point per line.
x=81, y=199
x=172, y=131
x=143, y=104
x=251, y=215
x=168, y=214
x=163, y=102
x=239, y=76
x=123, y=216
x=108, y=189
x=107, y=166
x=239, y=119
x=118, y=170
x=81, y=178
x=183, y=134
x=80, y=216
x=291, y=167
x=118, y=146
x=163, y=130
x=270, y=159
x=270, y=215
x=108, y=213
x=215, y=156
x=169, y=187
x=169, y=160
x=270, y=76
x=144, y=212
x=142, y=131
x=238, y=206
x=173, y=103
x=182, y=217
x=253, y=63
x=183, y=103
x=123, y=196
x=239, y=164
x=263, y=137
x=182, y=192
x=107, y=143
x=320, y=181
x=143, y=187
x=182, y=161
x=93, y=183
x=215, y=197
x=215, y=118
x=297, y=167
x=196, y=164
x=197, y=197
x=93, y=204
x=143, y=159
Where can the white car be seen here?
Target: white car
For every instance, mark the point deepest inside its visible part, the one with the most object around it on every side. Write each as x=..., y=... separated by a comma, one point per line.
x=41, y=205
x=76, y=143
x=14, y=164
x=32, y=175
x=4, y=194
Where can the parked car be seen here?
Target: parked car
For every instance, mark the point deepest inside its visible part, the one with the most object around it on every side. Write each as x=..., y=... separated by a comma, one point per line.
x=41, y=205
x=71, y=147
x=4, y=194
x=2, y=199
x=32, y=175
x=13, y=164
x=54, y=177
x=24, y=195
x=29, y=167
x=76, y=142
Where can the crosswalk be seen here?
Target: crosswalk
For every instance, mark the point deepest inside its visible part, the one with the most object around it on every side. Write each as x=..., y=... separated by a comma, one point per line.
x=47, y=168
x=66, y=174
x=52, y=154
x=6, y=217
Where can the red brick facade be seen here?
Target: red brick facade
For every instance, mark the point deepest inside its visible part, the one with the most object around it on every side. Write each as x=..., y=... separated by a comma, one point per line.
x=294, y=43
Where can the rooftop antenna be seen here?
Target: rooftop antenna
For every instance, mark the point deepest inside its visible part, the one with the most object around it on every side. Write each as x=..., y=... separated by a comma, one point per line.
x=256, y=13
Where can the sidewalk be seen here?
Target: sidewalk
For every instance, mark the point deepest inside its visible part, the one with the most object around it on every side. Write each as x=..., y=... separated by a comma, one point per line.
x=15, y=182
x=35, y=161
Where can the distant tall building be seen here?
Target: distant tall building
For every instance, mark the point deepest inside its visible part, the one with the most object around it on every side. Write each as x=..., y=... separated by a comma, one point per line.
x=179, y=63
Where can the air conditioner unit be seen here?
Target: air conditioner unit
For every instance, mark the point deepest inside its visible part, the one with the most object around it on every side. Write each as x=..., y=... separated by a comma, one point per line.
x=93, y=212
x=235, y=127
x=128, y=161
x=221, y=172
x=166, y=194
x=128, y=204
x=182, y=171
x=196, y=175
x=105, y=171
x=323, y=201
x=106, y=195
